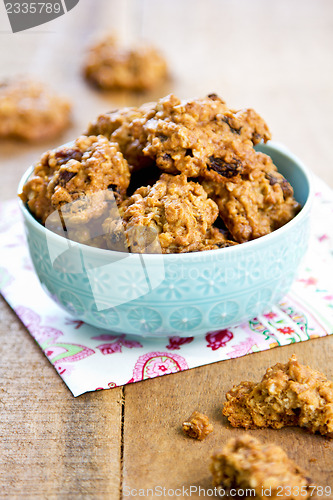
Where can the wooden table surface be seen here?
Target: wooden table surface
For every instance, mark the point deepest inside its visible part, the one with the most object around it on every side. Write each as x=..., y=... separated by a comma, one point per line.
x=272, y=55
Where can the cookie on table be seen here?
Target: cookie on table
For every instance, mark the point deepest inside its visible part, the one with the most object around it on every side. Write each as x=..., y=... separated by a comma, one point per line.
x=245, y=463
x=197, y=426
x=288, y=394
x=31, y=111
x=178, y=210
x=91, y=165
x=111, y=66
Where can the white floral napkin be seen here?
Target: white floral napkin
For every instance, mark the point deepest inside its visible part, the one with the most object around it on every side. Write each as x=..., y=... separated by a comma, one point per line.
x=89, y=359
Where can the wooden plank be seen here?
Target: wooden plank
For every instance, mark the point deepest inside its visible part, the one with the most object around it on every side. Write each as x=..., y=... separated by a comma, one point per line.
x=51, y=444
x=256, y=54
x=157, y=454
x=273, y=56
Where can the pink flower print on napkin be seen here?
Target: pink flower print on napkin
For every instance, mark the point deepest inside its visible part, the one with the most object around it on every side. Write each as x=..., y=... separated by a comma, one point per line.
x=286, y=330
x=64, y=370
x=175, y=342
x=77, y=323
x=69, y=353
x=42, y=334
x=28, y=317
x=297, y=316
x=308, y=281
x=155, y=364
x=107, y=336
x=116, y=346
x=8, y=216
x=109, y=348
x=270, y=315
x=244, y=347
x=18, y=242
x=218, y=339
x=111, y=385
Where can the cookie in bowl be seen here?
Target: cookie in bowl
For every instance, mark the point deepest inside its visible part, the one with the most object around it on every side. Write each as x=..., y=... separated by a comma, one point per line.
x=138, y=233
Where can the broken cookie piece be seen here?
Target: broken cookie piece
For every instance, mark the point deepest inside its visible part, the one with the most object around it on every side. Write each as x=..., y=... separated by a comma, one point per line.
x=289, y=394
x=197, y=426
x=247, y=464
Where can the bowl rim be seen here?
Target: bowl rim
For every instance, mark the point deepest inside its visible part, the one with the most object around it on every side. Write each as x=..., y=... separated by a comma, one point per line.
x=192, y=256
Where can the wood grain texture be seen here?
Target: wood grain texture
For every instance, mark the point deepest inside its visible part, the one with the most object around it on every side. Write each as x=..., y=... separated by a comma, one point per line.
x=51, y=444
x=157, y=453
x=272, y=55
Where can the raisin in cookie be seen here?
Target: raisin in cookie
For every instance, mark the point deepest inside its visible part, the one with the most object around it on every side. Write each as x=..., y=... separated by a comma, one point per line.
x=91, y=165
x=203, y=137
x=255, y=204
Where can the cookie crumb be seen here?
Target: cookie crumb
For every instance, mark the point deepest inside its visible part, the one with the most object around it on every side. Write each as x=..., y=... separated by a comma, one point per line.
x=197, y=426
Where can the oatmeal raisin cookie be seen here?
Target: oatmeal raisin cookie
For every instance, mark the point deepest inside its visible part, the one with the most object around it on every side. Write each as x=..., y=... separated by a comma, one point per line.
x=203, y=137
x=30, y=111
x=246, y=463
x=69, y=173
x=216, y=189
x=288, y=394
x=257, y=204
x=110, y=66
x=179, y=210
x=126, y=127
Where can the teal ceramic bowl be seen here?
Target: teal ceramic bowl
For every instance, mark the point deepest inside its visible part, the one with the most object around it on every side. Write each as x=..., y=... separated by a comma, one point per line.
x=177, y=294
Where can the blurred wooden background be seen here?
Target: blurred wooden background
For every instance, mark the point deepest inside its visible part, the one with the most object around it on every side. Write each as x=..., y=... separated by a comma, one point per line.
x=273, y=55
